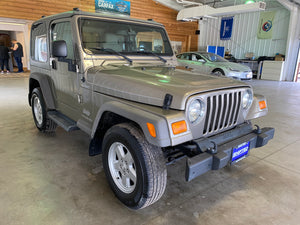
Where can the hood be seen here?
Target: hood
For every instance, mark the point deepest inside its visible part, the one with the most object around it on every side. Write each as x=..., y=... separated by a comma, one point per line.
x=149, y=85
x=234, y=66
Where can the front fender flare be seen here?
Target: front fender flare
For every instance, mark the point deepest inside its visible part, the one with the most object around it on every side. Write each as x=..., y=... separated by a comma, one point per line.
x=140, y=117
x=255, y=111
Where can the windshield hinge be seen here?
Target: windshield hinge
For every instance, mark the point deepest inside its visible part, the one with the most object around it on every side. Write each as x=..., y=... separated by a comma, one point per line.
x=167, y=101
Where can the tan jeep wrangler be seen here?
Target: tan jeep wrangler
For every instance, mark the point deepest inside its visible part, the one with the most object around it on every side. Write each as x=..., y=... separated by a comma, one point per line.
x=115, y=79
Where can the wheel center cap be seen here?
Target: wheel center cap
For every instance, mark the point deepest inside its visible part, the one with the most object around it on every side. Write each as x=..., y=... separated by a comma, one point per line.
x=123, y=167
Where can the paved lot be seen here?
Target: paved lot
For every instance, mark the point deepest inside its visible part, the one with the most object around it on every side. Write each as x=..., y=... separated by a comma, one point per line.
x=52, y=180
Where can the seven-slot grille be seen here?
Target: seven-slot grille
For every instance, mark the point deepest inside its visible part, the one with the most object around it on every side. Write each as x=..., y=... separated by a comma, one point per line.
x=222, y=111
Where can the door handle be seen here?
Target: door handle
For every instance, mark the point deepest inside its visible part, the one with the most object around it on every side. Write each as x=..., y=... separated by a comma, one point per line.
x=53, y=63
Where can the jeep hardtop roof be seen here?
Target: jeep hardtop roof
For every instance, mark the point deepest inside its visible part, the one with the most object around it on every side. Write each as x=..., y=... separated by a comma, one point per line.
x=77, y=12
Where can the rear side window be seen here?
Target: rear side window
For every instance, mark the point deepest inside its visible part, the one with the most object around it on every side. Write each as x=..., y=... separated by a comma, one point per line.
x=185, y=56
x=39, y=45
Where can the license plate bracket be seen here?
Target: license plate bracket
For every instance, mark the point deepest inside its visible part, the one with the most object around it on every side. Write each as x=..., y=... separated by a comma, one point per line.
x=240, y=152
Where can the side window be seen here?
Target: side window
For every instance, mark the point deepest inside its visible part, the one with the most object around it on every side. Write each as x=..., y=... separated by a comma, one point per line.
x=39, y=46
x=185, y=56
x=63, y=31
x=199, y=57
x=194, y=57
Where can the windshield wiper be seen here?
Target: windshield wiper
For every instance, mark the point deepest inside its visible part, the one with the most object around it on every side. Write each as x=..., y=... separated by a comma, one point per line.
x=117, y=53
x=152, y=53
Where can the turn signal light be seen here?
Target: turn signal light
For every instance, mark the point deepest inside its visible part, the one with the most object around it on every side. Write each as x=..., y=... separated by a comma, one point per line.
x=262, y=105
x=179, y=127
x=151, y=129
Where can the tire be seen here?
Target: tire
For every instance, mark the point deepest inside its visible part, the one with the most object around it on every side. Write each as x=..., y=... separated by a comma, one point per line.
x=218, y=72
x=38, y=106
x=126, y=152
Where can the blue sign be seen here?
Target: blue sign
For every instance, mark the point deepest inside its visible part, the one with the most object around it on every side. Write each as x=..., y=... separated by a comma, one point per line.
x=241, y=151
x=211, y=48
x=226, y=28
x=221, y=51
x=114, y=6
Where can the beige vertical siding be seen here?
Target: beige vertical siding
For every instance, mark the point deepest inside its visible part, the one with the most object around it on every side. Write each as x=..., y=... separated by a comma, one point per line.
x=244, y=34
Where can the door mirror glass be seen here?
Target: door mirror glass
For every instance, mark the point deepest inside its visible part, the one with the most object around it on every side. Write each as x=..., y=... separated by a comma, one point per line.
x=59, y=48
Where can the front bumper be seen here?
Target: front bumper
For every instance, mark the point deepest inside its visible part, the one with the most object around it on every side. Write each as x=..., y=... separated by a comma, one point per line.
x=217, y=150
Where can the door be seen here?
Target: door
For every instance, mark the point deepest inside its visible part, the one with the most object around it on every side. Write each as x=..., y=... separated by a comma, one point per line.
x=183, y=59
x=206, y=65
x=198, y=63
x=64, y=71
x=5, y=39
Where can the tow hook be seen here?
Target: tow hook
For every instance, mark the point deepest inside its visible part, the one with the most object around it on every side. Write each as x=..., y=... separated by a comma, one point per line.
x=213, y=150
x=257, y=130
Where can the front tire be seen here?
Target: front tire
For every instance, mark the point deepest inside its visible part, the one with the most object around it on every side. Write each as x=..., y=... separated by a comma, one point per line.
x=218, y=72
x=135, y=169
x=38, y=106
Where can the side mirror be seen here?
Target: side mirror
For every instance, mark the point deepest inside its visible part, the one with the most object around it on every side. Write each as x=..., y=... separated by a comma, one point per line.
x=201, y=60
x=59, y=48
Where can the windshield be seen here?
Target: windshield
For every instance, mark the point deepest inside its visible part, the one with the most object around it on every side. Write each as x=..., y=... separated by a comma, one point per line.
x=122, y=37
x=213, y=57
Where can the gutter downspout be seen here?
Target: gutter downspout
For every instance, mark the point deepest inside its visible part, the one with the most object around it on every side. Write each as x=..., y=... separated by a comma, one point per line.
x=293, y=40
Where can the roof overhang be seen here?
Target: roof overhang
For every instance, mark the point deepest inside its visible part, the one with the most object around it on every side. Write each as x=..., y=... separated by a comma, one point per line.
x=171, y=4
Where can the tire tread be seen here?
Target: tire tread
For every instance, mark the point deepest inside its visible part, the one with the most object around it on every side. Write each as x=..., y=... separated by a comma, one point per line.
x=155, y=162
x=49, y=125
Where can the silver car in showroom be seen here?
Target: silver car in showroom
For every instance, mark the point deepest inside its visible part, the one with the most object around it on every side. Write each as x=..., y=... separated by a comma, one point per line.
x=210, y=63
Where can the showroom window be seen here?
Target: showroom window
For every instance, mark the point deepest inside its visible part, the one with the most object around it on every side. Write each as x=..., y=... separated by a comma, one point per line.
x=39, y=49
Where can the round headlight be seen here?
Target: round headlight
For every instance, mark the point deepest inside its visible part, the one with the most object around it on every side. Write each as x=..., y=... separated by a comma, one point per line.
x=196, y=110
x=247, y=99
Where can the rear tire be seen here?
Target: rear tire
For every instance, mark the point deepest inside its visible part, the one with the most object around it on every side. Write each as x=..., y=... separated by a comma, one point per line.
x=135, y=169
x=38, y=106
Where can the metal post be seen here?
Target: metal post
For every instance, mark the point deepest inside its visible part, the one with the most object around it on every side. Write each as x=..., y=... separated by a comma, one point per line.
x=10, y=64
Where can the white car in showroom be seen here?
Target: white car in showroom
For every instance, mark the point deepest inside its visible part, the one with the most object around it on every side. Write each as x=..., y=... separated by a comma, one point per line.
x=210, y=63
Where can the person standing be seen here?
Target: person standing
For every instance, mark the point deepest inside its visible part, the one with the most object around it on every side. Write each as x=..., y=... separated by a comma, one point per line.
x=4, y=57
x=18, y=54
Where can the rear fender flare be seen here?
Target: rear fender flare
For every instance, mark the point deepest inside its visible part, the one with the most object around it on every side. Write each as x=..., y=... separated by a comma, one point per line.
x=45, y=86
